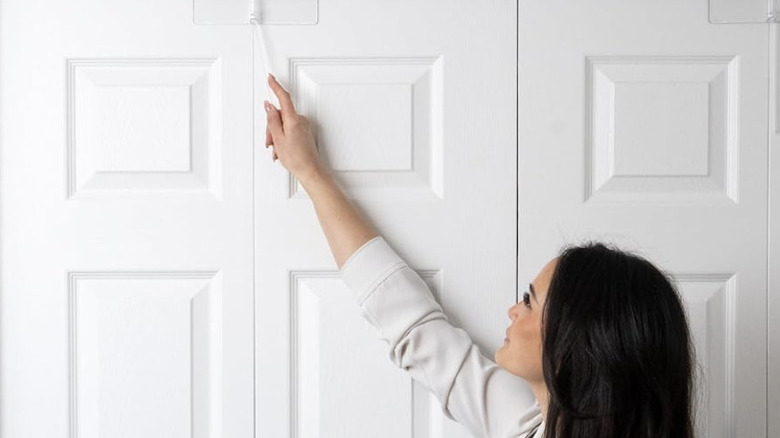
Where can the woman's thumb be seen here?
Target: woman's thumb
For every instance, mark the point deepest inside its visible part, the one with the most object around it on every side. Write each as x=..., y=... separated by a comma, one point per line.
x=274, y=121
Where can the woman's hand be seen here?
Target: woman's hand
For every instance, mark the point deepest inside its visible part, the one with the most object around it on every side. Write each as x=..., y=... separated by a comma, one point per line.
x=289, y=132
x=291, y=136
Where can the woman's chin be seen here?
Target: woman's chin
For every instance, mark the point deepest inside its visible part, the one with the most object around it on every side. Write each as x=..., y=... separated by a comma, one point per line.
x=498, y=357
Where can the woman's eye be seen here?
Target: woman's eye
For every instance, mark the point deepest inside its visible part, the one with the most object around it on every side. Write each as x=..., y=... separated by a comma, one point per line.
x=526, y=299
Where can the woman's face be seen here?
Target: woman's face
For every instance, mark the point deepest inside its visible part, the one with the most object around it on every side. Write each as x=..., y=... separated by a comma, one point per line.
x=521, y=353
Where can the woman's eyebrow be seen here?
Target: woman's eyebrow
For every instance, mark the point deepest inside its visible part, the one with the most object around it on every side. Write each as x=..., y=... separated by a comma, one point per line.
x=531, y=287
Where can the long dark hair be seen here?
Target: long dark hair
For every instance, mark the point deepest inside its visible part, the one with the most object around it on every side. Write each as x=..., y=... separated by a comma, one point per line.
x=618, y=357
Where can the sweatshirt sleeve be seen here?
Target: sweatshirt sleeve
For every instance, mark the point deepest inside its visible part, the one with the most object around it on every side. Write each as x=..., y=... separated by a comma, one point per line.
x=471, y=389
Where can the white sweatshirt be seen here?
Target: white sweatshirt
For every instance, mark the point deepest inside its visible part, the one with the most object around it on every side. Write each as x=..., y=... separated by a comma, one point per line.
x=472, y=389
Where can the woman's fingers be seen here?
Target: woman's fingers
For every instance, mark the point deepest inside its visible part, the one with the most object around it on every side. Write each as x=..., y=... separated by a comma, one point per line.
x=284, y=97
x=272, y=118
x=274, y=121
x=269, y=140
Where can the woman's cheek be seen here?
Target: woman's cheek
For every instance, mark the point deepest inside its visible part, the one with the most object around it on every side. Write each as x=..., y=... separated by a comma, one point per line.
x=529, y=345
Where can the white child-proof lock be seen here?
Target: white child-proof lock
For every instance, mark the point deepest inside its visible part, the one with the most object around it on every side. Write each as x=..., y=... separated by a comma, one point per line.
x=742, y=11
x=265, y=11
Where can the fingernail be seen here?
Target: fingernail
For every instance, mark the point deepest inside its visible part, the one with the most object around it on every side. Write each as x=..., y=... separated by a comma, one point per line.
x=267, y=106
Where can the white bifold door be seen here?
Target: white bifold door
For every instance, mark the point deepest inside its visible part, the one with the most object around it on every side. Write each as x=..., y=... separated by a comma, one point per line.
x=127, y=222
x=162, y=277
x=644, y=124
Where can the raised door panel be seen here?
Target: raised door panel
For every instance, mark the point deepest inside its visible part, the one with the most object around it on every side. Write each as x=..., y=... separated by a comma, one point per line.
x=645, y=125
x=413, y=106
x=127, y=279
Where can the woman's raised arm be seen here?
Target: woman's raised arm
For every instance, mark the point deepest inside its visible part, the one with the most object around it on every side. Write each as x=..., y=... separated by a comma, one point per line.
x=290, y=134
x=470, y=388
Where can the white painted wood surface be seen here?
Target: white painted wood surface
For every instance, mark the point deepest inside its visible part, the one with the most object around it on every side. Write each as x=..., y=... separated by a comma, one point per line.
x=773, y=308
x=414, y=107
x=127, y=253
x=140, y=211
x=646, y=125
x=138, y=219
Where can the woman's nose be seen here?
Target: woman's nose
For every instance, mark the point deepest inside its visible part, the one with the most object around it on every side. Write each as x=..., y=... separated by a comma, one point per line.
x=512, y=312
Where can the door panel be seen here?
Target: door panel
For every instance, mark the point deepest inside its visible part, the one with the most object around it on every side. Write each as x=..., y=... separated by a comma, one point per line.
x=645, y=125
x=146, y=243
x=422, y=137
x=773, y=308
x=127, y=230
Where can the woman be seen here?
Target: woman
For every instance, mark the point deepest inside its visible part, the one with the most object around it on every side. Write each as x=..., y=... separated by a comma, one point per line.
x=600, y=336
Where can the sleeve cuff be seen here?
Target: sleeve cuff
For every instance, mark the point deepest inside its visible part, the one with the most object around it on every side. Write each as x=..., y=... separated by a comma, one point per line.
x=368, y=266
